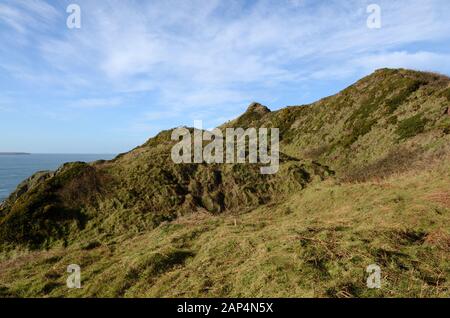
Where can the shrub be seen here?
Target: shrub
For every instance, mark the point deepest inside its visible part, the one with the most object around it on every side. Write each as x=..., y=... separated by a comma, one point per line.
x=393, y=103
x=411, y=127
x=361, y=127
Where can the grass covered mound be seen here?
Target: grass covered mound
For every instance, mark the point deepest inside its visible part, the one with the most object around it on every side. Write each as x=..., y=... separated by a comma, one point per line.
x=317, y=243
x=363, y=179
x=136, y=192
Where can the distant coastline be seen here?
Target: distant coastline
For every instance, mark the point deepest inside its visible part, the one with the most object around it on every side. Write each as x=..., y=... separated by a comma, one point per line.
x=14, y=153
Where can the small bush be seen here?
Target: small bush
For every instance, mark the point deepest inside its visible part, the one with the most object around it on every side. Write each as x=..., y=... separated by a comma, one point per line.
x=360, y=128
x=411, y=127
x=393, y=103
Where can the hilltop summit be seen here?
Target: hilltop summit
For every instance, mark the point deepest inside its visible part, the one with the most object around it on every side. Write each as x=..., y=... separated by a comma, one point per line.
x=257, y=108
x=255, y=111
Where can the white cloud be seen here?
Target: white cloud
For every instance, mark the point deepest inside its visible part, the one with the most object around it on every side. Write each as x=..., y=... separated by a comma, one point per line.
x=13, y=17
x=26, y=16
x=193, y=55
x=41, y=9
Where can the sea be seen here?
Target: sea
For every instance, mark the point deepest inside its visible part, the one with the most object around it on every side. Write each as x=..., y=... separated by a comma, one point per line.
x=16, y=168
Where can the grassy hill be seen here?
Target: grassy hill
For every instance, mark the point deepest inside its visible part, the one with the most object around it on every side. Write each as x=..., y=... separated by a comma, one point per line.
x=364, y=178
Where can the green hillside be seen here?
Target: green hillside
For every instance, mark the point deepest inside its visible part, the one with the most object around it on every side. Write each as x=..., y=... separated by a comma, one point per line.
x=364, y=179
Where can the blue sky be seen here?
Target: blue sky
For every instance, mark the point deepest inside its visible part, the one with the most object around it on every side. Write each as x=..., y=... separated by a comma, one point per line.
x=137, y=67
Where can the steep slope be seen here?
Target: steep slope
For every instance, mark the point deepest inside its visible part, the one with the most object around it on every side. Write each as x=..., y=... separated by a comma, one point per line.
x=392, y=116
x=156, y=222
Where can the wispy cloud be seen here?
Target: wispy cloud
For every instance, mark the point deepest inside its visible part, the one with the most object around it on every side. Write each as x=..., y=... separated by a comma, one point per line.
x=96, y=102
x=223, y=43
x=203, y=58
x=26, y=16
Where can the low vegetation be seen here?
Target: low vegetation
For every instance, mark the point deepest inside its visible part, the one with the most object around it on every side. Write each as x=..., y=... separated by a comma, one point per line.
x=411, y=127
x=317, y=243
x=364, y=179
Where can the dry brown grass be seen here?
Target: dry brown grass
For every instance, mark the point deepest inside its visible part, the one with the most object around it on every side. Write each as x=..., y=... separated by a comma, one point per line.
x=439, y=238
x=442, y=198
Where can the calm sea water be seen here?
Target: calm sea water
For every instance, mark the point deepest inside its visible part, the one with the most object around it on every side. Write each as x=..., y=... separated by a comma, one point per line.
x=16, y=168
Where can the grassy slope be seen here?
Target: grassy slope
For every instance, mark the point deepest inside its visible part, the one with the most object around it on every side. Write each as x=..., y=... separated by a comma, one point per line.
x=386, y=113
x=129, y=222
x=317, y=243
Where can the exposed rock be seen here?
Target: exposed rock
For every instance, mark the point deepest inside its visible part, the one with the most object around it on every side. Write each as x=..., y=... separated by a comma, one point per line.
x=257, y=108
